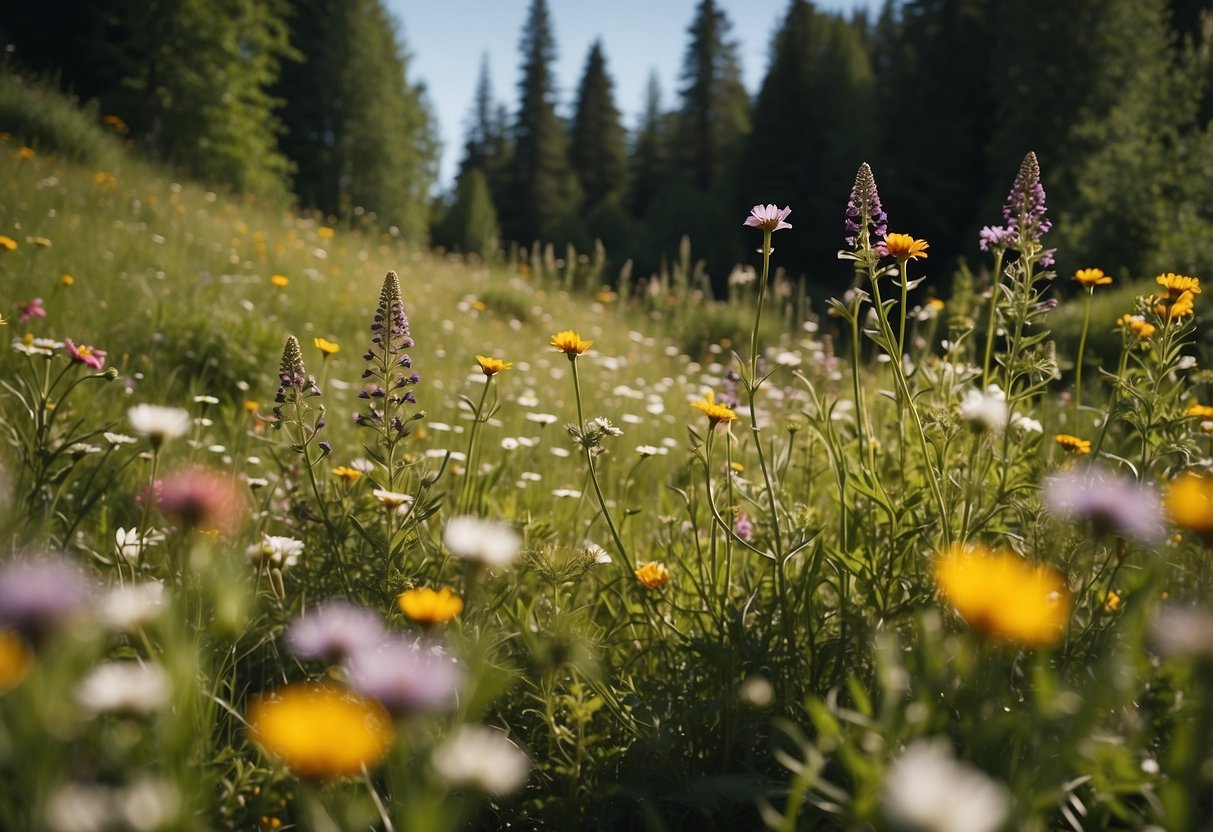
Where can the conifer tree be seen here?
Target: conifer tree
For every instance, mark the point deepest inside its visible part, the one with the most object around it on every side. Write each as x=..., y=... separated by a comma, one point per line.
x=488, y=147
x=714, y=110
x=471, y=225
x=650, y=154
x=597, y=149
x=544, y=190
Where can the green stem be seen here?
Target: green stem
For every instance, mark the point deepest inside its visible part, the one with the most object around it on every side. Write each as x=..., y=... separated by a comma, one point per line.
x=1082, y=346
x=992, y=316
x=469, y=456
x=589, y=461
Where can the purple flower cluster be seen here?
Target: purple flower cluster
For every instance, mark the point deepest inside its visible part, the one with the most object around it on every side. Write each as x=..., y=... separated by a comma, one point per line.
x=38, y=596
x=1023, y=212
x=864, y=212
x=388, y=382
x=1112, y=504
x=403, y=673
x=294, y=383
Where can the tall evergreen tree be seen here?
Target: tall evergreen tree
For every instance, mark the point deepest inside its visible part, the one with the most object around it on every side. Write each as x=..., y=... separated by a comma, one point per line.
x=544, y=190
x=471, y=225
x=359, y=132
x=813, y=123
x=488, y=147
x=714, y=110
x=650, y=152
x=597, y=149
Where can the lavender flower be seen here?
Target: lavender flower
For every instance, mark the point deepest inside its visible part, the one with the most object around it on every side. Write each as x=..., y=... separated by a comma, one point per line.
x=334, y=631
x=995, y=238
x=389, y=374
x=1113, y=504
x=38, y=596
x=1024, y=210
x=405, y=675
x=864, y=212
x=294, y=382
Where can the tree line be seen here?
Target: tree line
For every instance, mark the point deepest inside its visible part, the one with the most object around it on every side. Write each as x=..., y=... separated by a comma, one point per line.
x=314, y=98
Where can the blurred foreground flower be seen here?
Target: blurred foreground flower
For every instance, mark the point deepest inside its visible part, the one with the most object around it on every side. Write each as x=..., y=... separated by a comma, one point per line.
x=38, y=596
x=1112, y=504
x=985, y=411
x=928, y=790
x=429, y=606
x=201, y=498
x=159, y=424
x=1183, y=631
x=486, y=542
x=320, y=732
x=1002, y=594
x=404, y=675
x=482, y=758
x=14, y=659
x=126, y=687
x=1190, y=502
x=333, y=631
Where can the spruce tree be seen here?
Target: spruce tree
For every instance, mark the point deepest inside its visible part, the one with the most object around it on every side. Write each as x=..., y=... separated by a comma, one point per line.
x=488, y=147
x=597, y=149
x=650, y=153
x=714, y=110
x=543, y=193
x=471, y=225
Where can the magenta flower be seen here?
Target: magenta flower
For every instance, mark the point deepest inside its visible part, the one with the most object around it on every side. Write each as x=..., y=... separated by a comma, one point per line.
x=33, y=309
x=768, y=217
x=86, y=355
x=865, y=215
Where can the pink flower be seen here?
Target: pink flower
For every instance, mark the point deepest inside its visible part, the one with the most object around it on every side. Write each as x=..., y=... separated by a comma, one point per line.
x=86, y=355
x=33, y=309
x=768, y=217
x=201, y=498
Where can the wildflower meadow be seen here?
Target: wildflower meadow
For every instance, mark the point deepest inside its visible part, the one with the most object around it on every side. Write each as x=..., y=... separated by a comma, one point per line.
x=306, y=527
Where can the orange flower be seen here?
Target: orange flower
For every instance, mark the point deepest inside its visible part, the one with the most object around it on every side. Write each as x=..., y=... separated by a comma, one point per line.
x=1090, y=278
x=653, y=575
x=716, y=413
x=904, y=247
x=570, y=343
x=1190, y=502
x=1073, y=444
x=279, y=281
x=429, y=606
x=492, y=366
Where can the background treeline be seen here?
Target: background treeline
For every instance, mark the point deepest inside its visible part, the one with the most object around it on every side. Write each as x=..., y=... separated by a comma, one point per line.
x=314, y=98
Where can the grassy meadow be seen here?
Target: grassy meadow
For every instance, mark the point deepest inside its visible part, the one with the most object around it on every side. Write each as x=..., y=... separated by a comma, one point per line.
x=306, y=528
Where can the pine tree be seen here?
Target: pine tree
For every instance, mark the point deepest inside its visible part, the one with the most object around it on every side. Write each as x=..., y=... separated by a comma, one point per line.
x=597, y=149
x=543, y=190
x=714, y=110
x=650, y=154
x=471, y=225
x=488, y=147
x=813, y=120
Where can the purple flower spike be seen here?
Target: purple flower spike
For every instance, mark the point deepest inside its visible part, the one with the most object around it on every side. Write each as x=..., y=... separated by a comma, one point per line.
x=768, y=217
x=995, y=238
x=38, y=596
x=1112, y=504
x=405, y=675
x=864, y=212
x=1024, y=210
x=333, y=631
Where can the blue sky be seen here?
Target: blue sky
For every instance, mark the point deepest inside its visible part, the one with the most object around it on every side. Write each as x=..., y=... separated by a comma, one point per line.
x=446, y=42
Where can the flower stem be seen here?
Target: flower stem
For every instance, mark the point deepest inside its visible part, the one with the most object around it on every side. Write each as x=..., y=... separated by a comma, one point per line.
x=1082, y=346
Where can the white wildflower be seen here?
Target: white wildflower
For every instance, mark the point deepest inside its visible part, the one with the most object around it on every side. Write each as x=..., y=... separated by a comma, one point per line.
x=481, y=541
x=483, y=758
x=927, y=789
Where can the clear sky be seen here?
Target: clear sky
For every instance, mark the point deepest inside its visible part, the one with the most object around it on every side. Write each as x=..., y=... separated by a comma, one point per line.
x=446, y=41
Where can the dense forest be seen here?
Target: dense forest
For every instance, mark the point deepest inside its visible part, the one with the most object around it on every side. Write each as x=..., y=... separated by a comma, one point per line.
x=314, y=101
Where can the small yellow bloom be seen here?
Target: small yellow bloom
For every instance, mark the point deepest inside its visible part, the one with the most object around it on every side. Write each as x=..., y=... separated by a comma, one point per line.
x=1003, y=595
x=936, y=303
x=1137, y=325
x=492, y=366
x=40, y=242
x=7, y=243
x=14, y=660
x=349, y=475
x=324, y=232
x=280, y=280
x=320, y=732
x=251, y=406
x=716, y=413
x=1190, y=502
x=429, y=606
x=326, y=346
x=570, y=343
x=1073, y=444
x=1092, y=277
x=1199, y=411
x=479, y=305
x=27, y=153
x=117, y=123
x=605, y=296
x=653, y=575
x=67, y=280
x=1111, y=602
x=904, y=247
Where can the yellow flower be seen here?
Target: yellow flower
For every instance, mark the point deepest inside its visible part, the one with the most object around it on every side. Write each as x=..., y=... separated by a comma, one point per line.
x=117, y=123
x=1003, y=595
x=1181, y=306
x=716, y=413
x=492, y=366
x=7, y=243
x=1190, y=502
x=429, y=606
x=1177, y=284
x=904, y=247
x=1200, y=411
x=105, y=180
x=40, y=242
x=251, y=406
x=320, y=732
x=14, y=660
x=1112, y=602
x=1092, y=277
x=570, y=343
x=349, y=475
x=1137, y=325
x=653, y=575
x=324, y=232
x=27, y=153
x=1073, y=444
x=67, y=280
x=936, y=303
x=279, y=280
x=326, y=346
x=605, y=296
